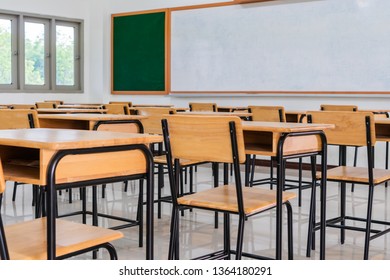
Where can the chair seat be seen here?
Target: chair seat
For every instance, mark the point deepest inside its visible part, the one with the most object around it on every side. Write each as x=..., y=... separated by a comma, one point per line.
x=356, y=174
x=183, y=162
x=27, y=240
x=224, y=198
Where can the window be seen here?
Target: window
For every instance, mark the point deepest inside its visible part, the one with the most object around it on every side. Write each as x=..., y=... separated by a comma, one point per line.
x=43, y=55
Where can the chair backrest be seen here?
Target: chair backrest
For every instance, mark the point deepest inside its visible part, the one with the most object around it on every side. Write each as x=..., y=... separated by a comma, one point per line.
x=117, y=109
x=23, y=106
x=154, y=115
x=208, y=107
x=267, y=113
x=204, y=138
x=350, y=127
x=130, y=126
x=18, y=118
x=46, y=105
x=58, y=102
x=336, y=107
x=128, y=103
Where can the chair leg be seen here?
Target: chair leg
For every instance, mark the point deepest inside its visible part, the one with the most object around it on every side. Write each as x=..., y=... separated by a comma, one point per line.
x=240, y=236
x=140, y=213
x=368, y=222
x=160, y=185
x=300, y=182
x=290, y=231
x=354, y=164
x=173, y=240
x=253, y=160
x=226, y=235
x=14, y=191
x=216, y=183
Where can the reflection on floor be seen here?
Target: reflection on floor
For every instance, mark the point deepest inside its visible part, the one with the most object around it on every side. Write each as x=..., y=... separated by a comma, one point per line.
x=197, y=232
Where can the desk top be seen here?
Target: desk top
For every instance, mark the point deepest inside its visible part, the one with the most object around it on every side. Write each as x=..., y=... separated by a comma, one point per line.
x=69, y=111
x=57, y=139
x=205, y=113
x=79, y=106
x=90, y=117
x=231, y=108
x=283, y=126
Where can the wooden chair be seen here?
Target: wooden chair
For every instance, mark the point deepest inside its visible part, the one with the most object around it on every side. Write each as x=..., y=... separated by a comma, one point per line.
x=208, y=107
x=352, y=129
x=152, y=124
x=342, y=108
x=46, y=105
x=264, y=114
x=128, y=103
x=128, y=126
x=23, y=106
x=215, y=139
x=117, y=109
x=18, y=119
x=26, y=240
x=58, y=102
x=274, y=114
x=337, y=107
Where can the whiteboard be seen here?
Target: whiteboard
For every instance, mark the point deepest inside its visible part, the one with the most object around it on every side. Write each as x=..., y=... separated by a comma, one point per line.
x=331, y=45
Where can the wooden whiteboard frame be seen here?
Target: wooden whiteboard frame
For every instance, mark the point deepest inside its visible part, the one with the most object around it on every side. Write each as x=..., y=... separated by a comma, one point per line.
x=220, y=4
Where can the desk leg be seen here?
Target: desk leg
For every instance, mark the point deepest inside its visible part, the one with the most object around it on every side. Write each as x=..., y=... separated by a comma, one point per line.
x=279, y=198
x=149, y=206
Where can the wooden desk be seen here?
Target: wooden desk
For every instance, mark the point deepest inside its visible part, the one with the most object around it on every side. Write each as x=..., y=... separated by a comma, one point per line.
x=152, y=105
x=282, y=140
x=80, y=106
x=71, y=111
x=61, y=158
x=295, y=116
x=231, y=108
x=243, y=115
x=79, y=121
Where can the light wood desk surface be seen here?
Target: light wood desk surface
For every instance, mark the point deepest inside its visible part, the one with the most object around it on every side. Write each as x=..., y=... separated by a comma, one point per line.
x=80, y=106
x=205, y=113
x=261, y=138
x=80, y=121
x=49, y=157
x=71, y=111
x=231, y=108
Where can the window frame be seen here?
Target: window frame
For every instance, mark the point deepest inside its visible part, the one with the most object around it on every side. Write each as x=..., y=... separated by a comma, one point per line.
x=18, y=59
x=14, y=49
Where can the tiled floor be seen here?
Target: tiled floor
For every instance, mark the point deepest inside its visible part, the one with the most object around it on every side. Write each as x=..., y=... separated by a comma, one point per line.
x=197, y=233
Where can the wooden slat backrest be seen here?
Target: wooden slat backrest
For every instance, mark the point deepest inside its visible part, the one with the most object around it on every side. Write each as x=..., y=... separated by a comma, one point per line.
x=23, y=106
x=154, y=115
x=204, y=138
x=350, y=127
x=46, y=105
x=117, y=109
x=127, y=103
x=18, y=118
x=335, y=107
x=208, y=107
x=267, y=113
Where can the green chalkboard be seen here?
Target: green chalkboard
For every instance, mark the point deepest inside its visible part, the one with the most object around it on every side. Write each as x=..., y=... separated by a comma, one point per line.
x=139, y=48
